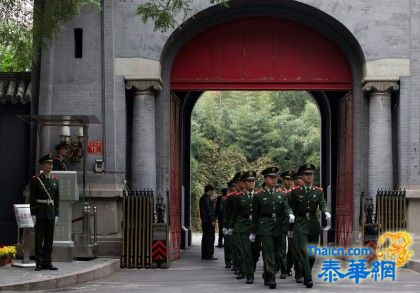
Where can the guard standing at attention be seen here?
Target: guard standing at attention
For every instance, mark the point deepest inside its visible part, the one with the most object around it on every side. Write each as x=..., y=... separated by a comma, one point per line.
x=44, y=203
x=59, y=163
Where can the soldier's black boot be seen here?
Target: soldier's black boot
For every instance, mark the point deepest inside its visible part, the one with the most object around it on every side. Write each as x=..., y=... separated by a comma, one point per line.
x=49, y=267
x=233, y=269
x=240, y=276
x=38, y=267
x=283, y=276
x=272, y=284
x=249, y=279
x=309, y=283
x=266, y=282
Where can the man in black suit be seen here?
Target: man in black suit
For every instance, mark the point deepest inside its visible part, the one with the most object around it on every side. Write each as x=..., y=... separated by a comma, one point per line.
x=207, y=223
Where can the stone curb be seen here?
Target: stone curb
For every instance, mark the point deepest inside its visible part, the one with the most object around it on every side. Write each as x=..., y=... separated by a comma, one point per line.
x=414, y=264
x=71, y=279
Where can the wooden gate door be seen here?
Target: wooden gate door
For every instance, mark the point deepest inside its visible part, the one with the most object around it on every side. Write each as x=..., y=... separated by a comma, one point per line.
x=175, y=181
x=344, y=197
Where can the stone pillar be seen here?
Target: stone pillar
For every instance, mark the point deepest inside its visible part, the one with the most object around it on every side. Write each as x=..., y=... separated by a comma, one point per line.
x=143, y=147
x=380, y=167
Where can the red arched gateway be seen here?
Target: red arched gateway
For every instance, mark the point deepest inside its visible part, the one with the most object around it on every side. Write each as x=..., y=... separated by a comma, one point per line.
x=266, y=53
x=260, y=53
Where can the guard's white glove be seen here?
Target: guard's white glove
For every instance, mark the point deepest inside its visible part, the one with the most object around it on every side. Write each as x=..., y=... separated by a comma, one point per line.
x=291, y=218
x=56, y=220
x=230, y=231
x=224, y=230
x=252, y=237
x=327, y=216
x=34, y=219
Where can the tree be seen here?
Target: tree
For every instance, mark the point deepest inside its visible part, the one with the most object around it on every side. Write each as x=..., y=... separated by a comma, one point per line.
x=166, y=13
x=20, y=38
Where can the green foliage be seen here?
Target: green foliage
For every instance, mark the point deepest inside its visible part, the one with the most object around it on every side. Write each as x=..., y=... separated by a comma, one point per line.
x=164, y=13
x=234, y=130
x=19, y=38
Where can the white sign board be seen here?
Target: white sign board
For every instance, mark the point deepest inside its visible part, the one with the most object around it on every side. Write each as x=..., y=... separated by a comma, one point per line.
x=23, y=215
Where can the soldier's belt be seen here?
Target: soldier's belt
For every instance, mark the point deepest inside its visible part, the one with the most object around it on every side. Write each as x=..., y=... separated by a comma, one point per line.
x=269, y=215
x=45, y=201
x=306, y=215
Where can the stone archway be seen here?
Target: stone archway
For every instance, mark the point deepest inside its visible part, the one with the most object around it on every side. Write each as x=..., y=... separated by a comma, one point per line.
x=344, y=46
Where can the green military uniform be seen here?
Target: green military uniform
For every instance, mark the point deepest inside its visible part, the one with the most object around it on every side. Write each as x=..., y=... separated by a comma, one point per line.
x=304, y=201
x=241, y=225
x=44, y=203
x=269, y=209
x=58, y=161
x=230, y=203
x=226, y=246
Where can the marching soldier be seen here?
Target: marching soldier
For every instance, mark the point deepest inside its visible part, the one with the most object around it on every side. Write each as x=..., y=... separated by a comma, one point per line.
x=292, y=254
x=284, y=261
x=219, y=215
x=44, y=203
x=241, y=224
x=269, y=208
x=304, y=200
x=226, y=220
x=227, y=245
x=240, y=188
x=59, y=160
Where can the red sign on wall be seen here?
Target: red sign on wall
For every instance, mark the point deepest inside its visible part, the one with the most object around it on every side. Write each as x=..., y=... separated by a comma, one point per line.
x=94, y=147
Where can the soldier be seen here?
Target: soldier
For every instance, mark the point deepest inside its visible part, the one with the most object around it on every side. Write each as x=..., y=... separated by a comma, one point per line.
x=241, y=224
x=269, y=210
x=292, y=254
x=235, y=247
x=283, y=262
x=44, y=202
x=59, y=160
x=219, y=215
x=228, y=258
x=304, y=201
x=207, y=223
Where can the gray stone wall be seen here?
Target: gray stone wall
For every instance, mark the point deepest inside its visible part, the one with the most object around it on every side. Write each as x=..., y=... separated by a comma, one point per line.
x=384, y=29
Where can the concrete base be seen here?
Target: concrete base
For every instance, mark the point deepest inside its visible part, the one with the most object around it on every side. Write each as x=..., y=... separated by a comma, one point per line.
x=63, y=251
x=67, y=275
x=24, y=265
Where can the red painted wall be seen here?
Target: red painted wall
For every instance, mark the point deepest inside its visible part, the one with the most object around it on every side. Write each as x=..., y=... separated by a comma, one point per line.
x=260, y=53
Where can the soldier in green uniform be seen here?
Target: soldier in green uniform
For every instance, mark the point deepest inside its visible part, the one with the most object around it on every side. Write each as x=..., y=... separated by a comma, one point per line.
x=240, y=188
x=292, y=255
x=227, y=217
x=283, y=261
x=59, y=163
x=227, y=243
x=269, y=209
x=304, y=200
x=241, y=224
x=44, y=202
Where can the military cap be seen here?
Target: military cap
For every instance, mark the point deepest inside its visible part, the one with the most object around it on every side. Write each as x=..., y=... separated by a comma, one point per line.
x=230, y=183
x=271, y=171
x=238, y=176
x=208, y=187
x=287, y=174
x=46, y=158
x=306, y=168
x=62, y=144
x=296, y=175
x=249, y=175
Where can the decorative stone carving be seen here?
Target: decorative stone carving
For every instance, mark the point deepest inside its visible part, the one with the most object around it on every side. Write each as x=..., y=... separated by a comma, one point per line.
x=144, y=85
x=381, y=86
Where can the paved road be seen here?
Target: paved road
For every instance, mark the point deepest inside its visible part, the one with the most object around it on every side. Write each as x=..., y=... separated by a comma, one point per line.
x=191, y=274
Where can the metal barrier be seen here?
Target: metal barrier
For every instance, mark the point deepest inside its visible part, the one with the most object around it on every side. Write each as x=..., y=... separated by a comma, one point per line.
x=138, y=211
x=389, y=213
x=391, y=209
